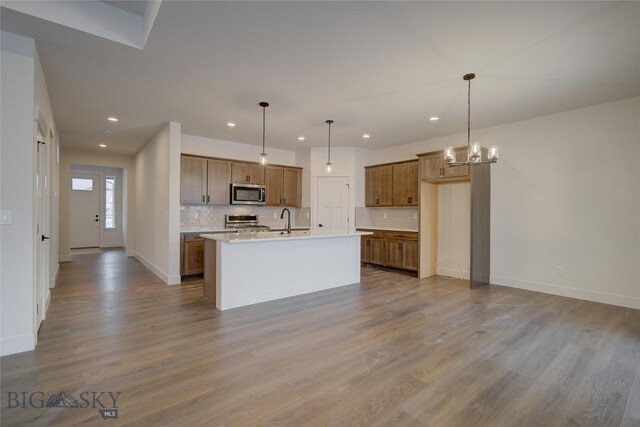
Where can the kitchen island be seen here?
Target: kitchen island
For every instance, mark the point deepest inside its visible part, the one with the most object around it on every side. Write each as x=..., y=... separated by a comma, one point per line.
x=249, y=268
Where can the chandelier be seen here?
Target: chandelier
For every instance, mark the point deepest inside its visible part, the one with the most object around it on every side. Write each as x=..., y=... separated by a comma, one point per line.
x=474, y=150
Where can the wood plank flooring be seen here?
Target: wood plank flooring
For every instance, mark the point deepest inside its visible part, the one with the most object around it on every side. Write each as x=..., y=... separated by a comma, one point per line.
x=392, y=351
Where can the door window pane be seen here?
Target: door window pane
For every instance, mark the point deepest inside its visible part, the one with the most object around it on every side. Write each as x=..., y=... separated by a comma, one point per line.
x=81, y=184
x=110, y=202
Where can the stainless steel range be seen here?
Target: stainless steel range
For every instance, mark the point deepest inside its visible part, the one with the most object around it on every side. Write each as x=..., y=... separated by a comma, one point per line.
x=244, y=223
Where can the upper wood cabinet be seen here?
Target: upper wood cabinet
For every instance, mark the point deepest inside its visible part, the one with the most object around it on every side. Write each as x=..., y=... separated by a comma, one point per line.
x=292, y=187
x=193, y=180
x=284, y=186
x=405, y=184
x=434, y=168
x=247, y=173
x=379, y=186
x=218, y=180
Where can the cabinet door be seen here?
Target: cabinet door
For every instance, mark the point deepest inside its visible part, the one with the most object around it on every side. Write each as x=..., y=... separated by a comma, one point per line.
x=240, y=173
x=193, y=180
x=405, y=184
x=365, y=249
x=432, y=166
x=369, y=187
x=378, y=253
x=410, y=255
x=218, y=180
x=394, y=253
x=379, y=186
x=273, y=181
x=193, y=257
x=292, y=187
x=256, y=173
x=461, y=155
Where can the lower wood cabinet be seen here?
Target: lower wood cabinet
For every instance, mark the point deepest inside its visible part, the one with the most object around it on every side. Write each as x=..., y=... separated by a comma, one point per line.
x=192, y=254
x=397, y=249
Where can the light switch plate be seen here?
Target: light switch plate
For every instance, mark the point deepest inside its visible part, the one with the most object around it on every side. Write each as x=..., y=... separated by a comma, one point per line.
x=5, y=217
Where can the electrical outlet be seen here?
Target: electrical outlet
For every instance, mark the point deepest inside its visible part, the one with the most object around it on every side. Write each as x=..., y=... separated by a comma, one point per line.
x=384, y=215
x=559, y=271
x=307, y=214
x=275, y=215
x=415, y=216
x=5, y=217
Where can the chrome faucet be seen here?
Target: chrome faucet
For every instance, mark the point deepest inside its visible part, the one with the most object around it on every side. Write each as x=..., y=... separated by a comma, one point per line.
x=288, y=219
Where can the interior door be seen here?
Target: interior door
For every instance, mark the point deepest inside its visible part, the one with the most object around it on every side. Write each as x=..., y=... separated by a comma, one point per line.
x=42, y=228
x=84, y=211
x=333, y=203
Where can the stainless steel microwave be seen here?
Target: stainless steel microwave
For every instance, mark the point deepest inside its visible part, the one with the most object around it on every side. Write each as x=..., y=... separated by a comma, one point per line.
x=248, y=194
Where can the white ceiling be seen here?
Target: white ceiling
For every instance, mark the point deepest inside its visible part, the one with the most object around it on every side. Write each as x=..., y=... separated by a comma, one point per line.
x=376, y=67
x=137, y=7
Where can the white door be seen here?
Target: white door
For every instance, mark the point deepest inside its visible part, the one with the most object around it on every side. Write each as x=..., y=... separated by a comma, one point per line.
x=84, y=211
x=333, y=203
x=42, y=228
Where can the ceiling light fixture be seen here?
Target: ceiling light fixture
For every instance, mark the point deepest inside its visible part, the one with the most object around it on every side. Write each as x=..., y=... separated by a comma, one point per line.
x=263, y=155
x=366, y=136
x=102, y=145
x=474, y=151
x=112, y=119
x=434, y=118
x=231, y=124
x=301, y=138
x=329, y=122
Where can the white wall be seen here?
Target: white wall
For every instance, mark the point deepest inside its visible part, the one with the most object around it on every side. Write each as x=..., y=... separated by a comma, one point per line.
x=17, y=158
x=157, y=204
x=565, y=193
x=210, y=147
x=68, y=158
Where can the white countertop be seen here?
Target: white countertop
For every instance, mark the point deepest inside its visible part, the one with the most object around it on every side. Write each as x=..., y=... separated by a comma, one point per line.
x=387, y=229
x=277, y=236
x=210, y=229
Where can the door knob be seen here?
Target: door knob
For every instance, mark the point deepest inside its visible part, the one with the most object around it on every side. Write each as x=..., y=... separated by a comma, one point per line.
x=320, y=225
x=97, y=220
x=43, y=238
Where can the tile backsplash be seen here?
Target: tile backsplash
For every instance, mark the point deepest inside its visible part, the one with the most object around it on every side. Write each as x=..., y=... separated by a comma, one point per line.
x=213, y=216
x=395, y=218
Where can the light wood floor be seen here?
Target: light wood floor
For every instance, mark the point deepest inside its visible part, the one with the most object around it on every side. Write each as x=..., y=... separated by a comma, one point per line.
x=393, y=351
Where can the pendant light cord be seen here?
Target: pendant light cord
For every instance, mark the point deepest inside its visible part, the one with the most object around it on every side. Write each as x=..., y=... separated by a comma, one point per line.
x=329, y=151
x=469, y=120
x=264, y=109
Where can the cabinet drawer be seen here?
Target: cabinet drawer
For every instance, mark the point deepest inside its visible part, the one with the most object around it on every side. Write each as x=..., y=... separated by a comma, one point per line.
x=409, y=235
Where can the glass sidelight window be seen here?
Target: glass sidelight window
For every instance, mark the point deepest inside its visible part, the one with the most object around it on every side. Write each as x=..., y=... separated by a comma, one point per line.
x=110, y=203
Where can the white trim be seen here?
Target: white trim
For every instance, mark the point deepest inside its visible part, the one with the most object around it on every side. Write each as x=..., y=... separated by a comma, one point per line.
x=19, y=344
x=47, y=302
x=169, y=280
x=64, y=258
x=584, y=294
x=54, y=279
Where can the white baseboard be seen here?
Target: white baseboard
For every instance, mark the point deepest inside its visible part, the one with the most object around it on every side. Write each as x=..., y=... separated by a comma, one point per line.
x=452, y=272
x=112, y=245
x=19, y=344
x=169, y=280
x=54, y=279
x=564, y=291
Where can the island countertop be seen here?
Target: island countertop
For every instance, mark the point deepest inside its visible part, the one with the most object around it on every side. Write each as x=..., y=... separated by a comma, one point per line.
x=266, y=236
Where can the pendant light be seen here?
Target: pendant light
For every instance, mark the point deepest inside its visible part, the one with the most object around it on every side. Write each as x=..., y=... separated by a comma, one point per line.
x=474, y=151
x=263, y=155
x=329, y=122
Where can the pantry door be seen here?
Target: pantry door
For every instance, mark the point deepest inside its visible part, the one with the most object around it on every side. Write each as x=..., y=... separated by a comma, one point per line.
x=332, y=203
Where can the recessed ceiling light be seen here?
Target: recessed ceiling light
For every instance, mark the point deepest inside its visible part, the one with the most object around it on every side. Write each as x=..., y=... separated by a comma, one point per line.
x=102, y=145
x=107, y=132
x=434, y=118
x=112, y=119
x=366, y=136
x=301, y=138
x=231, y=124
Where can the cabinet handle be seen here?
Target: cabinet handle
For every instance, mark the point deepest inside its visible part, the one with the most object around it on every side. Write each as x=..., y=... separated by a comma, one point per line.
x=377, y=201
x=208, y=198
x=203, y=198
x=409, y=200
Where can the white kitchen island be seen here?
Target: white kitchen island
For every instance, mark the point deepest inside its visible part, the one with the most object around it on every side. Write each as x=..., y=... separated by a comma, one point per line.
x=243, y=269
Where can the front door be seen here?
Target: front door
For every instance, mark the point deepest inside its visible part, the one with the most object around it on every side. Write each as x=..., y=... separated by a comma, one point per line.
x=84, y=211
x=333, y=203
